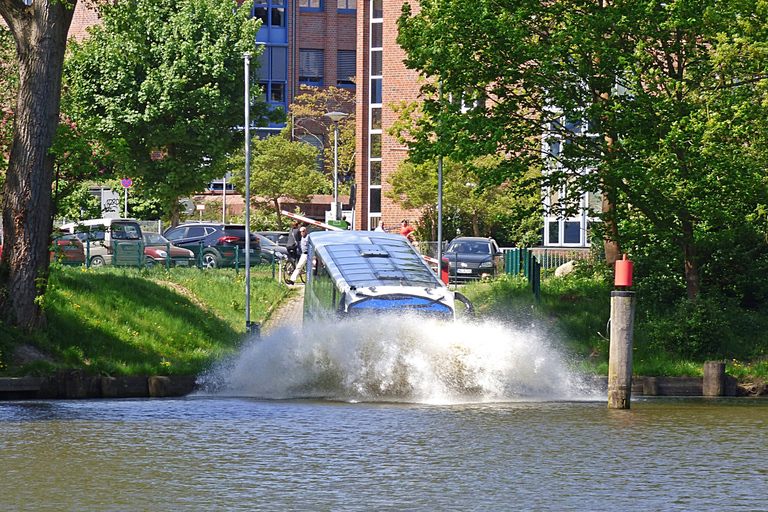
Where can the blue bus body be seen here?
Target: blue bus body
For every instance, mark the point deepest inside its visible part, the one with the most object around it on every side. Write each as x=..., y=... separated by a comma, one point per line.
x=368, y=272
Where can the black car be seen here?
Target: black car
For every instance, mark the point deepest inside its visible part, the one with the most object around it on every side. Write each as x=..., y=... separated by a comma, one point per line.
x=270, y=250
x=222, y=245
x=473, y=258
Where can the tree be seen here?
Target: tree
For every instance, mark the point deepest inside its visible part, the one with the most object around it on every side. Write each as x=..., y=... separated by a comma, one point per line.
x=309, y=110
x=40, y=32
x=166, y=77
x=414, y=186
x=652, y=104
x=280, y=169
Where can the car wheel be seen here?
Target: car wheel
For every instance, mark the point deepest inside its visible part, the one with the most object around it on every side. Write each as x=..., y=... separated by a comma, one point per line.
x=97, y=261
x=149, y=263
x=209, y=261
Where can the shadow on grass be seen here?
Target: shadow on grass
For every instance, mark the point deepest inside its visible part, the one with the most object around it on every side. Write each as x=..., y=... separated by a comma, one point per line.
x=129, y=322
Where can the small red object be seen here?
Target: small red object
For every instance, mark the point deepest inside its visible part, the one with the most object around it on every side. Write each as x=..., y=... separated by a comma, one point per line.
x=623, y=275
x=444, y=271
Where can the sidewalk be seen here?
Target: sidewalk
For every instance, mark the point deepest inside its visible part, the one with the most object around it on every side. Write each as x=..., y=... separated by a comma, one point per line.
x=290, y=312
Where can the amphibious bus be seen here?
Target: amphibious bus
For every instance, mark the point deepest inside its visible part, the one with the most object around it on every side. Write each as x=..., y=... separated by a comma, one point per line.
x=368, y=272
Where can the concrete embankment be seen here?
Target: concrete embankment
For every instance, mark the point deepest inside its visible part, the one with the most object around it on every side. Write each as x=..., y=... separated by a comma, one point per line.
x=77, y=384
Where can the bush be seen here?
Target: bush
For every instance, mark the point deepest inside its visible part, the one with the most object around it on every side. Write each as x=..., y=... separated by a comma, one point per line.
x=700, y=329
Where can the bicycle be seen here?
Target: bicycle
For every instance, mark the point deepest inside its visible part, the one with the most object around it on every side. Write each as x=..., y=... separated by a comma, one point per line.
x=289, y=267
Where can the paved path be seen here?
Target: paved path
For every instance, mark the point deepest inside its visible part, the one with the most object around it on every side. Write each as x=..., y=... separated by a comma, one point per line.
x=290, y=312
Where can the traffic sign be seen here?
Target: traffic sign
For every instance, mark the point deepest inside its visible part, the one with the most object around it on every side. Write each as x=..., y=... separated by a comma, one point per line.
x=126, y=182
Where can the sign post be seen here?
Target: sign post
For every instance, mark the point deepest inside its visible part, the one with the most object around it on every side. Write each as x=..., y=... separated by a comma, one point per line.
x=126, y=183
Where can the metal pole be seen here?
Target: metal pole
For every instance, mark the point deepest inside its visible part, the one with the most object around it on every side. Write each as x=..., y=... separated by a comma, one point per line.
x=247, y=57
x=224, y=201
x=125, y=206
x=439, y=215
x=336, y=170
x=440, y=203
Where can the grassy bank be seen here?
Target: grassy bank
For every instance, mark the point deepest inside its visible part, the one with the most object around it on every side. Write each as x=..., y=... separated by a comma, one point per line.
x=575, y=312
x=125, y=321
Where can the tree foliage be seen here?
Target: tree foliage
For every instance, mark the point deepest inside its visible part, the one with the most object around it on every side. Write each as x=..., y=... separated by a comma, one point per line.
x=309, y=111
x=465, y=204
x=657, y=105
x=166, y=77
x=280, y=169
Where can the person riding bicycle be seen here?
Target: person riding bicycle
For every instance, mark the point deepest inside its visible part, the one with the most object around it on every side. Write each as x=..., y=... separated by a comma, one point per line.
x=303, y=259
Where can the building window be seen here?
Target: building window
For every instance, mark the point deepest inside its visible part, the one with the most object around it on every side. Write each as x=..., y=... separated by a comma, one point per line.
x=311, y=67
x=347, y=5
x=376, y=172
x=270, y=12
x=273, y=75
x=375, y=204
x=378, y=9
x=345, y=68
x=311, y=5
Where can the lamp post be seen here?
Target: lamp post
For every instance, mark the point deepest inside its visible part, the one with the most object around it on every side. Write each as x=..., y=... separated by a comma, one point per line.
x=247, y=58
x=336, y=117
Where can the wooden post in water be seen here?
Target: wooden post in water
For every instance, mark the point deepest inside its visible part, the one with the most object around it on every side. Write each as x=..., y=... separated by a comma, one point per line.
x=620, y=356
x=714, y=378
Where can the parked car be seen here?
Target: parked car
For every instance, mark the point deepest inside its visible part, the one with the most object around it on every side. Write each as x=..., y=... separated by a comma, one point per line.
x=473, y=258
x=67, y=248
x=270, y=250
x=157, y=249
x=277, y=237
x=222, y=245
x=103, y=237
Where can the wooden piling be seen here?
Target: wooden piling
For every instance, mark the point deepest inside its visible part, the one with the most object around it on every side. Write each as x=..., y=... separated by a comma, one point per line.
x=620, y=355
x=714, y=379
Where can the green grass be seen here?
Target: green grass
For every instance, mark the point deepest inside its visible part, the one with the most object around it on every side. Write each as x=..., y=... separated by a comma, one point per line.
x=125, y=321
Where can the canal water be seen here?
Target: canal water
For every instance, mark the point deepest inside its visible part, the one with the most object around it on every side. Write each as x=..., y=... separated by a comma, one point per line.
x=338, y=419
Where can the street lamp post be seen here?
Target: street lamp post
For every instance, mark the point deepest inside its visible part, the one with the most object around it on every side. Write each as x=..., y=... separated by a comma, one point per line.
x=336, y=117
x=247, y=58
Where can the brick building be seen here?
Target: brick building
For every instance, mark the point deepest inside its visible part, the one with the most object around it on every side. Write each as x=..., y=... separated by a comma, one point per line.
x=382, y=81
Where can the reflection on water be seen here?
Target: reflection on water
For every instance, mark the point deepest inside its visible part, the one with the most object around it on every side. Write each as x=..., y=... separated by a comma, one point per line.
x=212, y=453
x=400, y=359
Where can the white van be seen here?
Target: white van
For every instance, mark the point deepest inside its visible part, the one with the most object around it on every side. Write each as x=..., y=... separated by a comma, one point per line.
x=109, y=241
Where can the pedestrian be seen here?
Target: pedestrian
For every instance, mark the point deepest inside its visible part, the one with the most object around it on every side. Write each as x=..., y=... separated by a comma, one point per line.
x=294, y=239
x=381, y=227
x=406, y=230
x=303, y=258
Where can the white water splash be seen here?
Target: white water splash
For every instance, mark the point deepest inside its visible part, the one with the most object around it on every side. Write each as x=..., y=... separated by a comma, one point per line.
x=404, y=359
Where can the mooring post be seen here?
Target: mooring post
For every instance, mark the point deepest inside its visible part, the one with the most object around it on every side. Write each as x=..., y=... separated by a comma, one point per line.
x=714, y=378
x=620, y=355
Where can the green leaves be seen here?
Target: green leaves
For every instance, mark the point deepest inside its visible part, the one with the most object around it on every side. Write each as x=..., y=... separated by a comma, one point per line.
x=166, y=77
x=658, y=105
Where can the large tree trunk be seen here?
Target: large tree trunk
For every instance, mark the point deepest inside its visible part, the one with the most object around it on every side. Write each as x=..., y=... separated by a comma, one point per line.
x=610, y=240
x=40, y=31
x=688, y=242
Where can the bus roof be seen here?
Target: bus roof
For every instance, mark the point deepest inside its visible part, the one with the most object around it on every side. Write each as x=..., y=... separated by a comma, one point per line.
x=371, y=258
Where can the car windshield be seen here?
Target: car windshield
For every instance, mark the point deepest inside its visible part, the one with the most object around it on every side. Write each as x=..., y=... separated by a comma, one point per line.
x=266, y=241
x=470, y=248
x=155, y=239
